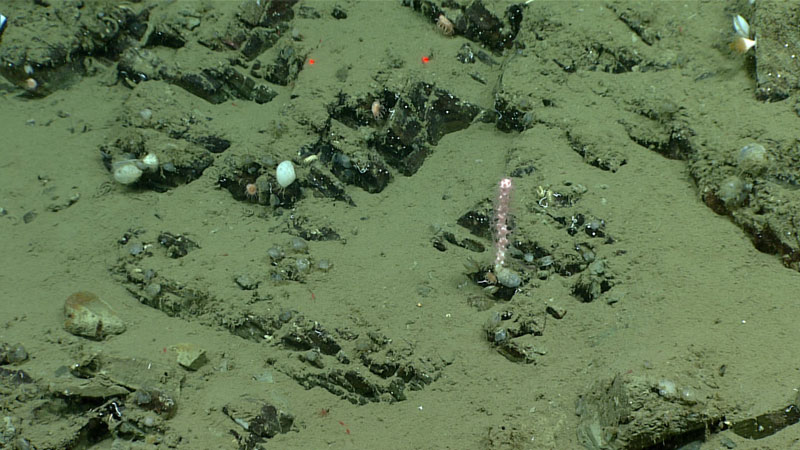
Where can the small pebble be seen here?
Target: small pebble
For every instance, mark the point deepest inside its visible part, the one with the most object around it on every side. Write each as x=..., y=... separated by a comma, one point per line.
x=302, y=264
x=12, y=354
x=275, y=253
x=152, y=291
x=299, y=245
x=136, y=248
x=246, y=283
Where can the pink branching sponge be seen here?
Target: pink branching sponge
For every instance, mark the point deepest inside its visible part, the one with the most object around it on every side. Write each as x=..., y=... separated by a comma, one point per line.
x=505, y=276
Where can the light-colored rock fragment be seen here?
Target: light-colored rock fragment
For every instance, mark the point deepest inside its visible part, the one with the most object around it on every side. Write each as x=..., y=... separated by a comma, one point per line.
x=85, y=314
x=190, y=356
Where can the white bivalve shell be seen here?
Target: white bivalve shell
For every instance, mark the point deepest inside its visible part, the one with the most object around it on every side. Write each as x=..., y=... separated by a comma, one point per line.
x=741, y=27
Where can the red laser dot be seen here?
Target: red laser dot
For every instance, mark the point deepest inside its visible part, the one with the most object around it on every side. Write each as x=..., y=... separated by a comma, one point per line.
x=425, y=60
x=311, y=61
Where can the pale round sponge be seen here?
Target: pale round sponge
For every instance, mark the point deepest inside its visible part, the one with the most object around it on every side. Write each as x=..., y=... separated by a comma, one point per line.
x=285, y=174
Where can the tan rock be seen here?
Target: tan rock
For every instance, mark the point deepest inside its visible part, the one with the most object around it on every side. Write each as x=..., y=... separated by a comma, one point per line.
x=190, y=356
x=85, y=314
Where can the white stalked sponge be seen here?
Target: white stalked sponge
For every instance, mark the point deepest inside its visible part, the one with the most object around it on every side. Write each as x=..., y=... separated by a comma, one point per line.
x=285, y=174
